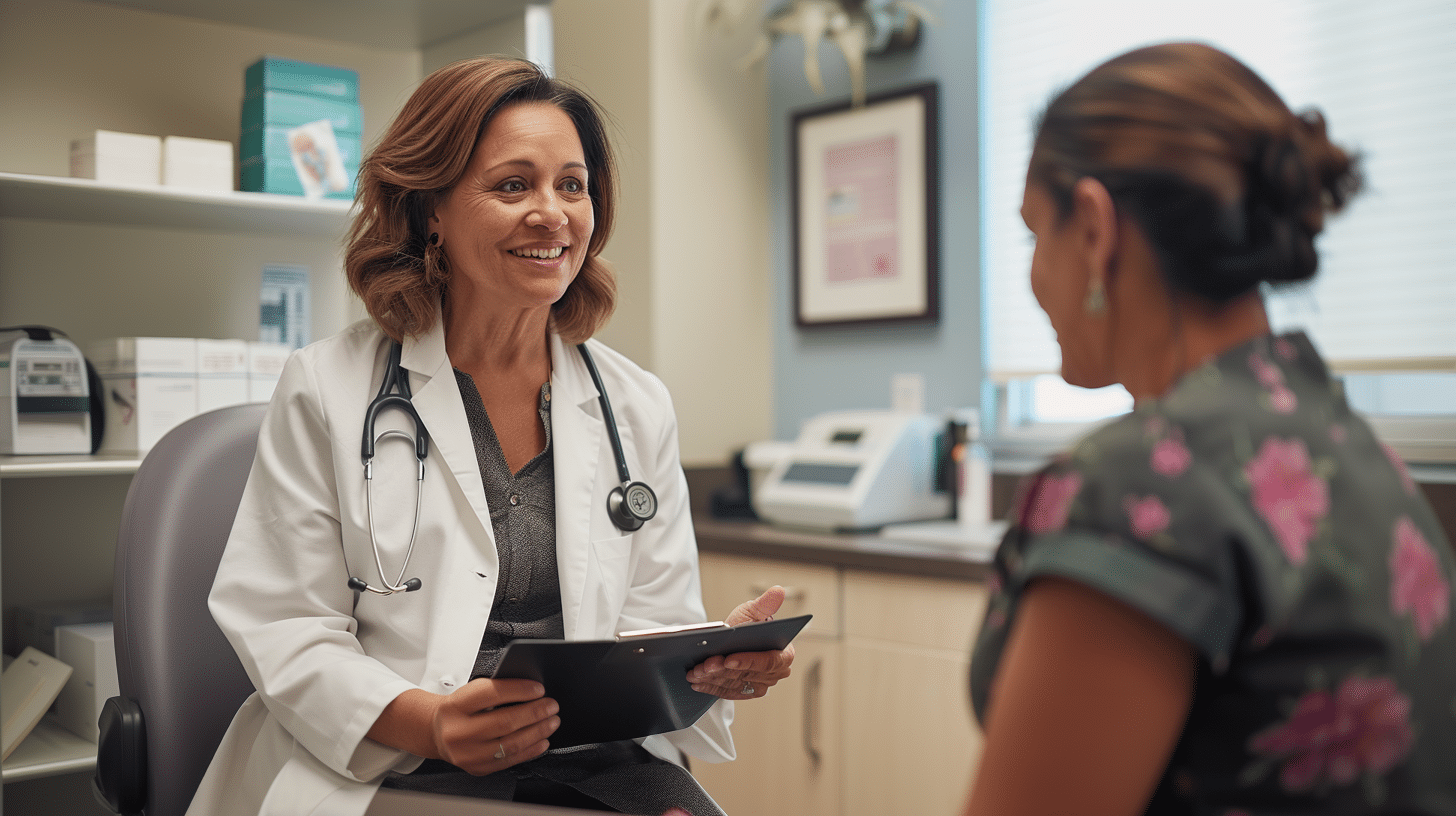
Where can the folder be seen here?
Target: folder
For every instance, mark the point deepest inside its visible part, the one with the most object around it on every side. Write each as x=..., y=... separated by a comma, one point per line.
x=635, y=685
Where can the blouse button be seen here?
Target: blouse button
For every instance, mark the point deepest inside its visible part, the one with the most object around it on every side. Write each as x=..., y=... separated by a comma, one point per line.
x=515, y=499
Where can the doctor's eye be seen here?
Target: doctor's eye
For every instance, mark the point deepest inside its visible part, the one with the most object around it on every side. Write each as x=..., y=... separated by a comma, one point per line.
x=573, y=185
x=512, y=186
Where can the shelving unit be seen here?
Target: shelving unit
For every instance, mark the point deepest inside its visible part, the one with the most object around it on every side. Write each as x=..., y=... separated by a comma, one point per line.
x=58, y=198
x=104, y=260
x=49, y=750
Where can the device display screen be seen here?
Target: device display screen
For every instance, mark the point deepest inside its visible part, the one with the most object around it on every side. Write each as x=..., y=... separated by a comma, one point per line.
x=810, y=473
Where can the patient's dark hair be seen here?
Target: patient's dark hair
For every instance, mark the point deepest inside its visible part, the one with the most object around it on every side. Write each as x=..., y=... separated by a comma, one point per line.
x=1229, y=186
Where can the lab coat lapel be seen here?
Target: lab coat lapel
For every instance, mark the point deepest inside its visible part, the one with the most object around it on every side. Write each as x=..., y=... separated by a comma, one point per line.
x=437, y=400
x=576, y=445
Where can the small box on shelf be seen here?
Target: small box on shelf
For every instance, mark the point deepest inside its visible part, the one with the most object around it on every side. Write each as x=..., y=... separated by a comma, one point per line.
x=150, y=387
x=199, y=164
x=90, y=650
x=117, y=158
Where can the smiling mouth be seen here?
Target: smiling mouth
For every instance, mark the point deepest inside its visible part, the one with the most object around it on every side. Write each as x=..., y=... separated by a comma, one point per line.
x=543, y=254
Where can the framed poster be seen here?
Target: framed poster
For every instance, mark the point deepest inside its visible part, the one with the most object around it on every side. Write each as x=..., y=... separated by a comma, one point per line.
x=865, y=214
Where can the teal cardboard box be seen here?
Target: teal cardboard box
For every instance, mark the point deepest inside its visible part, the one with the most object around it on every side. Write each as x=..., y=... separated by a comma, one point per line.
x=271, y=141
x=261, y=175
x=288, y=109
x=296, y=76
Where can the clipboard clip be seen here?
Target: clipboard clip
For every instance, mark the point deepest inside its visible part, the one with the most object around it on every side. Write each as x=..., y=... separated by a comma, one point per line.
x=672, y=630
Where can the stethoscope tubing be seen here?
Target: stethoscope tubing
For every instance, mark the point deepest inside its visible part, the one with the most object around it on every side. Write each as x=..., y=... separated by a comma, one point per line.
x=394, y=392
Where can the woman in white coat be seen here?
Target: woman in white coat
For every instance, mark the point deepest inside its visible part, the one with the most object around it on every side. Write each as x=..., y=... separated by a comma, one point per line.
x=482, y=211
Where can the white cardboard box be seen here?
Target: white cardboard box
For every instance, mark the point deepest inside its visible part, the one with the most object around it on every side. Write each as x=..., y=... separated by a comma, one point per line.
x=118, y=158
x=202, y=164
x=90, y=650
x=222, y=373
x=150, y=387
x=265, y=366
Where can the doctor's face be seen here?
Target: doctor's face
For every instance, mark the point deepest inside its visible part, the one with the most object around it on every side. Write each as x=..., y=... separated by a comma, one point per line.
x=515, y=227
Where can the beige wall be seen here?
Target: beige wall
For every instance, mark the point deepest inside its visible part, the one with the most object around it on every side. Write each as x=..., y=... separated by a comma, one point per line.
x=506, y=37
x=691, y=246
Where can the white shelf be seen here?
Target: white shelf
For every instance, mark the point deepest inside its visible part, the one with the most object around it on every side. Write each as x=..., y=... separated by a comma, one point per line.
x=59, y=198
x=49, y=750
x=73, y=465
x=395, y=24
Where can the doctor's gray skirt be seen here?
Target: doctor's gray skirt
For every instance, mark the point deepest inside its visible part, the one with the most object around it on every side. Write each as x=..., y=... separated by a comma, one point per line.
x=623, y=776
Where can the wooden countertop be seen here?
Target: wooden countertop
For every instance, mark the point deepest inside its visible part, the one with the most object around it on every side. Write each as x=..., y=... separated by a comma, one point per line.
x=858, y=551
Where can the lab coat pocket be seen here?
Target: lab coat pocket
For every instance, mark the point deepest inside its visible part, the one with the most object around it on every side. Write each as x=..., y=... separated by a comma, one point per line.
x=607, y=578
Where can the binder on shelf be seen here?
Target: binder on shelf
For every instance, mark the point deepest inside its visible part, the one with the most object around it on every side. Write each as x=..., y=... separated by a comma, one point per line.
x=636, y=685
x=27, y=689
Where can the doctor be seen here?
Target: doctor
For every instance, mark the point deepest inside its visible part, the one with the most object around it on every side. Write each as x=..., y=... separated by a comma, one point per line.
x=369, y=614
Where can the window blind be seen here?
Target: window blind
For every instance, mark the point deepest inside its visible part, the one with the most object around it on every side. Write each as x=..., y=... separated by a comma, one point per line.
x=1383, y=74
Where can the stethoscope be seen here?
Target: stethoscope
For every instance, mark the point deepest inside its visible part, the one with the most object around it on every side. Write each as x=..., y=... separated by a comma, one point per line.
x=629, y=504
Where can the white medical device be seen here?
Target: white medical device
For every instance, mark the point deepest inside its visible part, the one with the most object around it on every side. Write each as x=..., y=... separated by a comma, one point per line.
x=855, y=470
x=45, y=405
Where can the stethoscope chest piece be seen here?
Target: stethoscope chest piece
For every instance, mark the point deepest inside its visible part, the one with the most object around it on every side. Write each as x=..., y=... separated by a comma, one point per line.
x=631, y=504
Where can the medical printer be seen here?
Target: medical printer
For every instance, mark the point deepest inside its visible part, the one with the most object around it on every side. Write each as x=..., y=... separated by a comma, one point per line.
x=858, y=470
x=45, y=397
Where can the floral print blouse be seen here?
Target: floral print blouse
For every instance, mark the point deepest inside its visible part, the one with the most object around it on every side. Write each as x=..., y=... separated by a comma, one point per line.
x=1251, y=512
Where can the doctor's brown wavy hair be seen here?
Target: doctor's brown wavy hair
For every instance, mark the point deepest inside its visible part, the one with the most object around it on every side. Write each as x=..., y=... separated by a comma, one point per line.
x=388, y=259
x=1228, y=185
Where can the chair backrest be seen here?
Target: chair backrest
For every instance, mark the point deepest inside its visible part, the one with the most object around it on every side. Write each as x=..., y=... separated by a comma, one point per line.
x=171, y=658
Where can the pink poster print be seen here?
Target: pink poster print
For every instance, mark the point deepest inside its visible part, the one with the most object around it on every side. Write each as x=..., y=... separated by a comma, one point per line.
x=861, y=210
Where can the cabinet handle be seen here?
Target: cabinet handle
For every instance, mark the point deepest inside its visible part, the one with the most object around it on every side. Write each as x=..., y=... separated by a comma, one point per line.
x=813, y=685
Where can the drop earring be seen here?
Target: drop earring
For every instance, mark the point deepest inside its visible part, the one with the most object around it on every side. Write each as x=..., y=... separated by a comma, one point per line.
x=1096, y=302
x=434, y=239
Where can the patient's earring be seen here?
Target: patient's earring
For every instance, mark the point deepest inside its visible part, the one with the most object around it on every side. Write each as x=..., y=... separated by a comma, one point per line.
x=1096, y=302
x=434, y=239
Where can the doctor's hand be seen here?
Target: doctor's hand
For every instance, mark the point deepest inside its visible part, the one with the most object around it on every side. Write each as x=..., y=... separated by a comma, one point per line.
x=745, y=675
x=483, y=727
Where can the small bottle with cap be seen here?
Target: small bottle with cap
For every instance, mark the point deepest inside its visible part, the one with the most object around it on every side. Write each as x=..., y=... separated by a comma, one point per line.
x=973, y=471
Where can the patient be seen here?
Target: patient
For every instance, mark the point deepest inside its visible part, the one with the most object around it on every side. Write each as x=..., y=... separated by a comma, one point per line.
x=1233, y=600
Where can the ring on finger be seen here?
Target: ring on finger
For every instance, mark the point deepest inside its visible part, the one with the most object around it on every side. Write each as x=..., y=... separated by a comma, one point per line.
x=747, y=689
x=500, y=752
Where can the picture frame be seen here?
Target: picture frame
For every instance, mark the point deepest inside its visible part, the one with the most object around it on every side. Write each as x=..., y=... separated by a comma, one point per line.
x=865, y=210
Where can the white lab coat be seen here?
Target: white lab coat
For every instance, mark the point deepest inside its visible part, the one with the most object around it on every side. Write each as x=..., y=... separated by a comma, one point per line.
x=325, y=660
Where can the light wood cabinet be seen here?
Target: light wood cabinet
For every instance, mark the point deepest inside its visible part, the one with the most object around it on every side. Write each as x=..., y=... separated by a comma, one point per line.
x=910, y=740
x=876, y=717
x=788, y=742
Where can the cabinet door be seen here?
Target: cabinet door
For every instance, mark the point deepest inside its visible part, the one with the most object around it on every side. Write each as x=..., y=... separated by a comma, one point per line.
x=910, y=741
x=788, y=757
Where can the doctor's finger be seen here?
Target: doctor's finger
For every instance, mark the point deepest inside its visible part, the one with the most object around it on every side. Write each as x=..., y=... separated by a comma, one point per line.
x=762, y=608
x=482, y=693
x=761, y=665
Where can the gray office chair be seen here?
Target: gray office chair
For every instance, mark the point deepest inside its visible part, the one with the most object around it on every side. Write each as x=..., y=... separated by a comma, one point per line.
x=180, y=681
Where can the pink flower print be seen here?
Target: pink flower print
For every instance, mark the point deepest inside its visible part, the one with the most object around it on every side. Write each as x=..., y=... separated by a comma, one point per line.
x=1050, y=502
x=1267, y=373
x=1147, y=516
x=1290, y=498
x=1417, y=587
x=1171, y=456
x=1364, y=726
x=1282, y=400
x=1399, y=464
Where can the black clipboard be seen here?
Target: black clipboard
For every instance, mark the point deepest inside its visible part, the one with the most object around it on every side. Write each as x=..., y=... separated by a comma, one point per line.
x=636, y=685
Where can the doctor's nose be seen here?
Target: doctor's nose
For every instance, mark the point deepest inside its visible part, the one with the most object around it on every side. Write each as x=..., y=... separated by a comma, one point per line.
x=547, y=213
